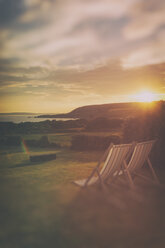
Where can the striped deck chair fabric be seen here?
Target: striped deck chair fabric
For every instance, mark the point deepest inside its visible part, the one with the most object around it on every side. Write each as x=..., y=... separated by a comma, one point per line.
x=139, y=157
x=111, y=167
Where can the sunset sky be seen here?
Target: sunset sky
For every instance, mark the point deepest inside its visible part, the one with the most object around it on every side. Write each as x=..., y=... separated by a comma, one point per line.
x=56, y=55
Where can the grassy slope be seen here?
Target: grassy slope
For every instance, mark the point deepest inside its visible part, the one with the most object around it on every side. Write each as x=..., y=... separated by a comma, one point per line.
x=41, y=208
x=34, y=196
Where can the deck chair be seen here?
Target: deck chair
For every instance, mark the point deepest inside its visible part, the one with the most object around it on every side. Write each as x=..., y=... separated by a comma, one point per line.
x=114, y=157
x=139, y=156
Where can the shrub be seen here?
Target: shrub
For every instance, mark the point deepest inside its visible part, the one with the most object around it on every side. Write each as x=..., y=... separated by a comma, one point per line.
x=10, y=141
x=42, y=142
x=42, y=158
x=86, y=142
x=17, y=140
x=104, y=124
x=148, y=126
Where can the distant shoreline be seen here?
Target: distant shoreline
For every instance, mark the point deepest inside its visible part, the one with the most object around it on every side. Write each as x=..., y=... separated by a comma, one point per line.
x=16, y=119
x=111, y=110
x=21, y=113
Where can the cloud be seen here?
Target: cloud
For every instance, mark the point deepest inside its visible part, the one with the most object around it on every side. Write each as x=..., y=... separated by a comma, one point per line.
x=108, y=80
x=150, y=53
x=80, y=50
x=41, y=94
x=9, y=11
x=59, y=29
x=145, y=18
x=76, y=33
x=66, y=89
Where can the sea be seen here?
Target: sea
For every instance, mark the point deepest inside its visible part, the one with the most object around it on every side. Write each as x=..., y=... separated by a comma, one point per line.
x=27, y=118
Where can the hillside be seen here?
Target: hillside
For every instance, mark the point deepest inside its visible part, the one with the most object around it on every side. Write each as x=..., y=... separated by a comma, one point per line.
x=112, y=110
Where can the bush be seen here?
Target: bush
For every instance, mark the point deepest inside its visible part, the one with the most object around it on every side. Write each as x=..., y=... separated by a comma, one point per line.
x=86, y=142
x=42, y=158
x=42, y=142
x=148, y=126
x=10, y=141
x=7, y=128
x=17, y=140
x=104, y=124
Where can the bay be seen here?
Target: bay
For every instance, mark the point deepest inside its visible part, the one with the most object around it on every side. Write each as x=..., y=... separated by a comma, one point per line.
x=27, y=118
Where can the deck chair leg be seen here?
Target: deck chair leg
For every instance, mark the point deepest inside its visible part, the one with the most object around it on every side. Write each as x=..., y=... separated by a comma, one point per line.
x=96, y=168
x=92, y=174
x=100, y=179
x=152, y=170
x=132, y=185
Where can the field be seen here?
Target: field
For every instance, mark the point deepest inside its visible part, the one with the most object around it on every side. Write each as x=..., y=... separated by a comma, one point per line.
x=40, y=207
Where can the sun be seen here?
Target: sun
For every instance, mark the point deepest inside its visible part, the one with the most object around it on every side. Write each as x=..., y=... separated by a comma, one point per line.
x=145, y=96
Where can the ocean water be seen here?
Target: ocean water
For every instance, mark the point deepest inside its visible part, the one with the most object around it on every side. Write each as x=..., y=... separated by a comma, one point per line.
x=27, y=118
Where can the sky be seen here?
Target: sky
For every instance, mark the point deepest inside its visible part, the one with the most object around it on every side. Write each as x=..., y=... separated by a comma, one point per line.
x=56, y=55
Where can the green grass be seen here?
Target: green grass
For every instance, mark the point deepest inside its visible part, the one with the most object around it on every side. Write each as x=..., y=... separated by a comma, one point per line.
x=40, y=207
x=64, y=139
x=35, y=196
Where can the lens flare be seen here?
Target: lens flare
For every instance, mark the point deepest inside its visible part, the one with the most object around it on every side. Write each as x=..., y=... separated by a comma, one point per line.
x=24, y=147
x=145, y=96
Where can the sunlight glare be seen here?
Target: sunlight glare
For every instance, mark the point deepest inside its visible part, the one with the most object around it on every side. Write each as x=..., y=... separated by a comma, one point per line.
x=145, y=96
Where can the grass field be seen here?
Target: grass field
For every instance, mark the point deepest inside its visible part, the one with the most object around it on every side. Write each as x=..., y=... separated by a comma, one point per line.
x=40, y=207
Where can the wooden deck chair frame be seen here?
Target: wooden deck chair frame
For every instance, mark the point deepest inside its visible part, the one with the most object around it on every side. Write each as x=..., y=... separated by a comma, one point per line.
x=133, y=166
x=109, y=167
